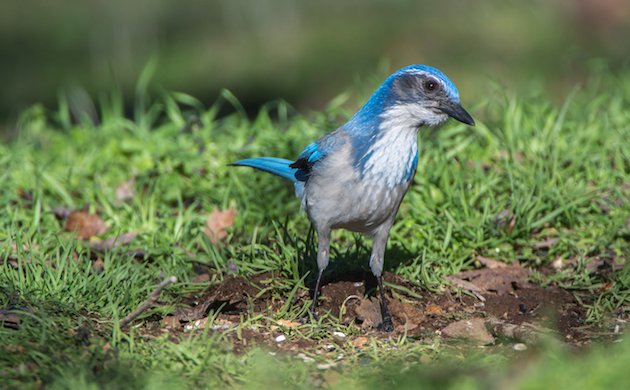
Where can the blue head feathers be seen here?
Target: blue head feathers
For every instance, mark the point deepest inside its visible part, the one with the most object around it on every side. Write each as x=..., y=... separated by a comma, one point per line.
x=424, y=89
x=418, y=69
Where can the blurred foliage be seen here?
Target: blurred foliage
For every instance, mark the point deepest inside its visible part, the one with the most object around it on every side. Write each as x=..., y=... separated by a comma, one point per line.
x=304, y=52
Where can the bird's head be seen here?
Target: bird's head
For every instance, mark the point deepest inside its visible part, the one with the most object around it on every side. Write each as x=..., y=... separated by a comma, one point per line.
x=417, y=95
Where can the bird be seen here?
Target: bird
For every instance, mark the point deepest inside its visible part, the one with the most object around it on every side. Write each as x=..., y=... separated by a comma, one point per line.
x=356, y=176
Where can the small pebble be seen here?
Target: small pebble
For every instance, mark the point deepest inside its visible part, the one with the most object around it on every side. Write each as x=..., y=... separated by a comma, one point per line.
x=281, y=338
x=520, y=347
x=358, y=284
x=325, y=366
x=194, y=325
x=305, y=358
x=339, y=335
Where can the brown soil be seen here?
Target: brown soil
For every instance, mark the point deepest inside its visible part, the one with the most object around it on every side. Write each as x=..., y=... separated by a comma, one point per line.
x=419, y=314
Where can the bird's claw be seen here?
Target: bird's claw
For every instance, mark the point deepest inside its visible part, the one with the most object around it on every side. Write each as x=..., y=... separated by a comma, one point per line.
x=387, y=324
x=309, y=318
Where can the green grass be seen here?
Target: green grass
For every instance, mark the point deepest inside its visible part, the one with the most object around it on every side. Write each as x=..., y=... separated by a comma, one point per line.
x=554, y=172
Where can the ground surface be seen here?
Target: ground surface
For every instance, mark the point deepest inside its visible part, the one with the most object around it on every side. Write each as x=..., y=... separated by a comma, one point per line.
x=416, y=313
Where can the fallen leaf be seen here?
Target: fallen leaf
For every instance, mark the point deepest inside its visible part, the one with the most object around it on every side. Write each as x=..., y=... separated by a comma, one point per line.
x=171, y=322
x=466, y=285
x=126, y=190
x=500, y=280
x=546, y=244
x=524, y=332
x=369, y=313
x=490, y=263
x=85, y=225
x=288, y=323
x=473, y=330
x=26, y=195
x=192, y=313
x=200, y=278
x=505, y=220
x=601, y=264
x=9, y=319
x=62, y=212
x=217, y=324
x=558, y=263
x=217, y=223
x=360, y=342
x=433, y=310
x=98, y=265
x=410, y=316
x=114, y=242
x=14, y=348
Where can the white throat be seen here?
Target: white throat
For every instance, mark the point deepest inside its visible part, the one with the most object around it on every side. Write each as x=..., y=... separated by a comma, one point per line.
x=392, y=158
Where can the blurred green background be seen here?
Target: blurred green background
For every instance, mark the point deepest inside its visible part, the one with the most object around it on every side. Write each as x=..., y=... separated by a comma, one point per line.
x=305, y=52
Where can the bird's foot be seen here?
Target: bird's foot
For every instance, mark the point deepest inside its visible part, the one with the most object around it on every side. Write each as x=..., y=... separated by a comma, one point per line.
x=309, y=317
x=387, y=325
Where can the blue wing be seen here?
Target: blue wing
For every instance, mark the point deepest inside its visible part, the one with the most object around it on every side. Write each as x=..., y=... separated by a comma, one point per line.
x=314, y=153
x=299, y=170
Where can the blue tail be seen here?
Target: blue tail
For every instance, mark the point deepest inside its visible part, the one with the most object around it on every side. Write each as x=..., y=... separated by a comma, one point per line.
x=277, y=166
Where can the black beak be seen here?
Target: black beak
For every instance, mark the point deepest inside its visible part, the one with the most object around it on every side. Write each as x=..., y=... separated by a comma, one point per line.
x=456, y=111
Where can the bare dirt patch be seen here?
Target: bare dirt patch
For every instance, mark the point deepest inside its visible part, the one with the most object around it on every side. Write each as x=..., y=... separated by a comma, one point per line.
x=504, y=300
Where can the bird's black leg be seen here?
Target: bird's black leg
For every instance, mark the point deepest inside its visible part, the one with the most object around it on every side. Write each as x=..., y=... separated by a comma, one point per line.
x=323, y=252
x=316, y=294
x=376, y=263
x=387, y=325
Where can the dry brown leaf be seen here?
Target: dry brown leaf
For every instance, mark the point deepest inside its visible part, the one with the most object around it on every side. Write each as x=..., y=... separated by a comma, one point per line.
x=14, y=348
x=505, y=220
x=126, y=190
x=369, y=312
x=189, y=314
x=466, y=285
x=406, y=314
x=15, y=256
x=525, y=332
x=360, y=342
x=546, y=244
x=288, y=323
x=217, y=223
x=114, y=242
x=200, y=278
x=600, y=264
x=473, y=330
x=62, y=212
x=24, y=194
x=433, y=310
x=98, y=265
x=490, y=263
x=9, y=319
x=85, y=225
x=171, y=322
x=500, y=280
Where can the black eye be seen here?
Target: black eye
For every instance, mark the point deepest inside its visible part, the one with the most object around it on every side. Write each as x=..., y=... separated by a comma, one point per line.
x=430, y=85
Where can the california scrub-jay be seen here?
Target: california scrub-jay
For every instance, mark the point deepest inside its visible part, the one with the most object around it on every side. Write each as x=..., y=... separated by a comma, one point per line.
x=356, y=176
